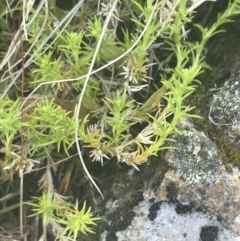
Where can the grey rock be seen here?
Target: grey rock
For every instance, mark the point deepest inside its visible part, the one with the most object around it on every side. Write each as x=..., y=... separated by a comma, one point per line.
x=195, y=158
x=225, y=107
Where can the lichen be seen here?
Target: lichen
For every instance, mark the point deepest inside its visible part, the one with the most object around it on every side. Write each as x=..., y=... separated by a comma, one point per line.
x=195, y=158
x=219, y=95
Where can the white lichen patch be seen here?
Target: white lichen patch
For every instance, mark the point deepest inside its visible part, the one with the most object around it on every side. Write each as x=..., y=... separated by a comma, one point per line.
x=225, y=108
x=168, y=225
x=195, y=158
x=221, y=200
x=224, y=111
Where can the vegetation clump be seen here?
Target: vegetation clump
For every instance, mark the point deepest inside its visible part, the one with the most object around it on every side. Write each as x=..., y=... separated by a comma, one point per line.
x=84, y=78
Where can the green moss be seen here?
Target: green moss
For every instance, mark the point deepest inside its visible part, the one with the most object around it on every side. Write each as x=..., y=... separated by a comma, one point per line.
x=228, y=152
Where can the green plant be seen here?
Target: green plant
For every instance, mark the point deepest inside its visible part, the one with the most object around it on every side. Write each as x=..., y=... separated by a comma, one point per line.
x=55, y=211
x=72, y=59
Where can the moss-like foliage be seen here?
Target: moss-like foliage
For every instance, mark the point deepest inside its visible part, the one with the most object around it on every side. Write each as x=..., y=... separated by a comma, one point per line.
x=84, y=78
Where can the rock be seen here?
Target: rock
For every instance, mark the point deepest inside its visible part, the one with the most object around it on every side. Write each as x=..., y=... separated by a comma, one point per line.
x=222, y=200
x=225, y=106
x=195, y=157
x=182, y=216
x=225, y=109
x=197, y=201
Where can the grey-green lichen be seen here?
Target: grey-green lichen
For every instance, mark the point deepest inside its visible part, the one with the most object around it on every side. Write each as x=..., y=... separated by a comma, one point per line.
x=225, y=107
x=217, y=99
x=225, y=110
x=195, y=158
